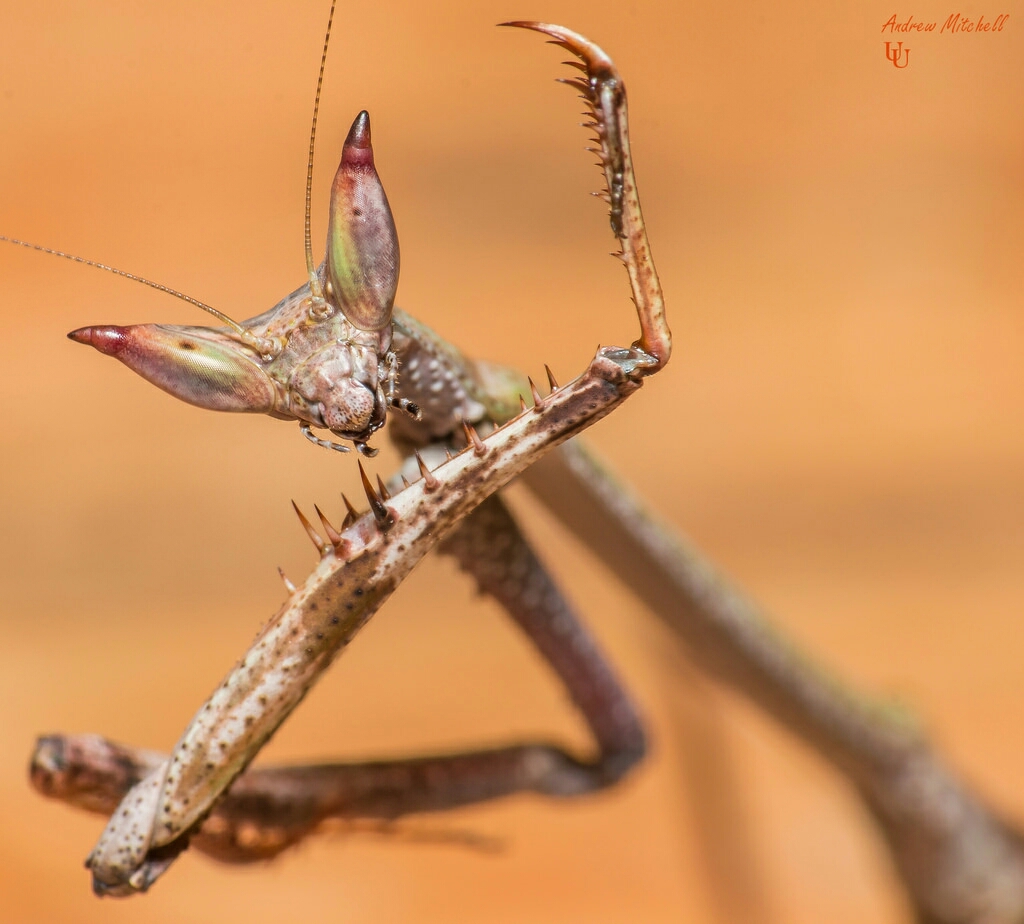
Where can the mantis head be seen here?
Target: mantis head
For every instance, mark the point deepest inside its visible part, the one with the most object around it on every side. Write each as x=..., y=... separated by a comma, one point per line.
x=322, y=355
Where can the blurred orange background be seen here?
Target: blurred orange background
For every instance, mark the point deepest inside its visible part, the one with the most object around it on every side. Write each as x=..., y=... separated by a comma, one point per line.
x=840, y=429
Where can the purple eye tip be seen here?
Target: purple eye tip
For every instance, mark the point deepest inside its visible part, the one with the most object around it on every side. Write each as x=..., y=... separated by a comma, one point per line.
x=358, y=150
x=106, y=338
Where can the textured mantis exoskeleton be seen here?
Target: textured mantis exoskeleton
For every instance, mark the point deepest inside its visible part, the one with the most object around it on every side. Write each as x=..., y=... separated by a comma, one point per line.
x=328, y=355
x=958, y=860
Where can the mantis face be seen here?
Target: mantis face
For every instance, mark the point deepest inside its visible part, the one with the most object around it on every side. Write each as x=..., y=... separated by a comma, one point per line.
x=322, y=355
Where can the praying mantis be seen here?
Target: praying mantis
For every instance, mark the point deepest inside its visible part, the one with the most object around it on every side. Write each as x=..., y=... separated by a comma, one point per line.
x=895, y=732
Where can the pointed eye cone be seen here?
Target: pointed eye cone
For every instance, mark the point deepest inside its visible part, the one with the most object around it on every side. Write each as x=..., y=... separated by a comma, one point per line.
x=107, y=338
x=195, y=364
x=362, y=244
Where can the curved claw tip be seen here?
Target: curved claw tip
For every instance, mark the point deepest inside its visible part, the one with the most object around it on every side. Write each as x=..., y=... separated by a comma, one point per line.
x=357, y=148
x=578, y=44
x=527, y=24
x=107, y=338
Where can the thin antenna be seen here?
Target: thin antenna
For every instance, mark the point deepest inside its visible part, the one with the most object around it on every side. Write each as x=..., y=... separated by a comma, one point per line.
x=219, y=315
x=314, y=282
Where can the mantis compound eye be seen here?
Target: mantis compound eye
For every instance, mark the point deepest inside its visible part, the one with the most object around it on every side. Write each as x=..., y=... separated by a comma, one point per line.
x=195, y=364
x=362, y=243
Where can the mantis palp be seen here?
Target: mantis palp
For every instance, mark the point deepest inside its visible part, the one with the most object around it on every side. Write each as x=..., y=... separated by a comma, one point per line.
x=804, y=724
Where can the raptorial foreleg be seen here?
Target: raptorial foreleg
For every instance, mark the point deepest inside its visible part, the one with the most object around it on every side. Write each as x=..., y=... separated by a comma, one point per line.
x=269, y=809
